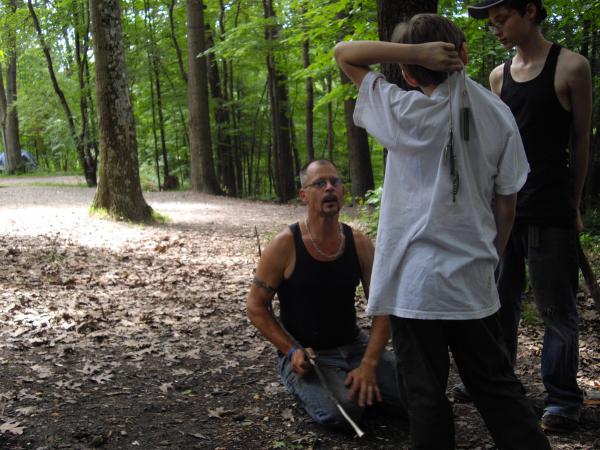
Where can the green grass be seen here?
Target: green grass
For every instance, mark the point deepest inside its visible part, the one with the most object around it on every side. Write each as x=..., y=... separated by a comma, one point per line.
x=41, y=173
x=54, y=184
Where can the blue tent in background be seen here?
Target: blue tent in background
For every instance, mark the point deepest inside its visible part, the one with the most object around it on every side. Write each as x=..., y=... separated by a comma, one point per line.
x=27, y=159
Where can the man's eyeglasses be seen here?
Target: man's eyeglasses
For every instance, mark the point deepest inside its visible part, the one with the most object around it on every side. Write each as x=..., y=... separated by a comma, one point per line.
x=500, y=22
x=321, y=183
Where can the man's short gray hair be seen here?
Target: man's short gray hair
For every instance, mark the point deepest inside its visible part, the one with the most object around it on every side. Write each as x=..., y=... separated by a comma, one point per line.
x=320, y=162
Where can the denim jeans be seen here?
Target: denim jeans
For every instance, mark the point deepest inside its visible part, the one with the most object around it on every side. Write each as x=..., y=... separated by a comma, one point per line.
x=421, y=348
x=335, y=363
x=551, y=257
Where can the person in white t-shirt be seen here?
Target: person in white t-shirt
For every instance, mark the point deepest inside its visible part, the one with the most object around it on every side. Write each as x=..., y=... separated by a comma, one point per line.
x=454, y=166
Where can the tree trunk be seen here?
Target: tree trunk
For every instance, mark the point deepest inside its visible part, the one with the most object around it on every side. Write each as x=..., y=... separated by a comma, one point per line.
x=389, y=14
x=89, y=166
x=176, y=43
x=12, y=160
x=359, y=156
x=330, y=130
x=119, y=191
x=222, y=123
x=280, y=123
x=310, y=100
x=201, y=159
x=86, y=137
x=2, y=107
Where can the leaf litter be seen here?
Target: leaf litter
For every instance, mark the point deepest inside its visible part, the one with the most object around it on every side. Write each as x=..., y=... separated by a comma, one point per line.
x=119, y=336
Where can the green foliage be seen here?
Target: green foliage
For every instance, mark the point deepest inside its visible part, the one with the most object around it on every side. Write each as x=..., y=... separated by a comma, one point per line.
x=240, y=50
x=370, y=209
x=529, y=314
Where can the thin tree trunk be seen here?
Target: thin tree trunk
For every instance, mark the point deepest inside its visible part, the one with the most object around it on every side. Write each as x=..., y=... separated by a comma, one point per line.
x=2, y=107
x=176, y=43
x=310, y=100
x=202, y=167
x=225, y=161
x=89, y=167
x=81, y=57
x=330, y=118
x=281, y=142
x=13, y=163
x=119, y=191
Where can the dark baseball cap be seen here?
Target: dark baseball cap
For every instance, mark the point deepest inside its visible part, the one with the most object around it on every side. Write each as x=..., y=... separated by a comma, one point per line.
x=480, y=9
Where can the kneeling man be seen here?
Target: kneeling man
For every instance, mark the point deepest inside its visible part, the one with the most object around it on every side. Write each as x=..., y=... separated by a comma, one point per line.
x=315, y=266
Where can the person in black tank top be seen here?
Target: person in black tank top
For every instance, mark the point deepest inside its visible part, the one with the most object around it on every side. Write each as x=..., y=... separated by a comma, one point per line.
x=315, y=266
x=548, y=89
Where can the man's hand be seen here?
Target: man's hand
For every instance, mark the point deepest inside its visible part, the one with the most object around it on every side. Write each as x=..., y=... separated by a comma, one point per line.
x=362, y=380
x=439, y=56
x=300, y=363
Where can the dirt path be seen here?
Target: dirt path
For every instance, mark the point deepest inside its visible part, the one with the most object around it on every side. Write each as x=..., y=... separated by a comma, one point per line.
x=134, y=337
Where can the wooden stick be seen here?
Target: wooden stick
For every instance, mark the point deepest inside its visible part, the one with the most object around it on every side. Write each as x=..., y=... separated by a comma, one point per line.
x=591, y=284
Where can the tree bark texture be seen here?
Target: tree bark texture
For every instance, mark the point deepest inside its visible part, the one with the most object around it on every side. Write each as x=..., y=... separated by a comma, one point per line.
x=359, y=155
x=201, y=158
x=225, y=162
x=12, y=156
x=283, y=170
x=389, y=14
x=310, y=99
x=119, y=190
x=2, y=106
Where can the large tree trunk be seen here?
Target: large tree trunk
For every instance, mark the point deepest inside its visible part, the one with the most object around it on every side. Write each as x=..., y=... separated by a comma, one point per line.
x=281, y=141
x=201, y=158
x=119, y=191
x=389, y=14
x=12, y=160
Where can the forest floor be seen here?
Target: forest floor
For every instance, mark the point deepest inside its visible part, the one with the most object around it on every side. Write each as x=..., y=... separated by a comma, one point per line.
x=121, y=336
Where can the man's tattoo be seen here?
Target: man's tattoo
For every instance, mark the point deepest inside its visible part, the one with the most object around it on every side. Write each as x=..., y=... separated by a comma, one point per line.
x=263, y=285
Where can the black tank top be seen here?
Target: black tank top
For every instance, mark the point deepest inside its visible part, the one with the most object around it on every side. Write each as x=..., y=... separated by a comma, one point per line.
x=317, y=301
x=547, y=197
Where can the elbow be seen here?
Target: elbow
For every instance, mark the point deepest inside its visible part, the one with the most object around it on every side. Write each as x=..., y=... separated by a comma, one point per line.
x=339, y=51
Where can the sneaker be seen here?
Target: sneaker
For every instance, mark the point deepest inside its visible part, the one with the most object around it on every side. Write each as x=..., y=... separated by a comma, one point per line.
x=459, y=394
x=553, y=423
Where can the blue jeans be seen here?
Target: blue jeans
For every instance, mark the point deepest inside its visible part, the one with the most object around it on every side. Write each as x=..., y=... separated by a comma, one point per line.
x=551, y=256
x=335, y=363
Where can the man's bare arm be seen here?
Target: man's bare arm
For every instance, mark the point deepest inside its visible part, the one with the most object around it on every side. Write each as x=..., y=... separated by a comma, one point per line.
x=579, y=80
x=362, y=380
x=355, y=57
x=268, y=276
x=504, y=213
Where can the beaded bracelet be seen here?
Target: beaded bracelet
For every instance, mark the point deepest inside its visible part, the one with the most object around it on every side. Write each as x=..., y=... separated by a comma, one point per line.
x=291, y=352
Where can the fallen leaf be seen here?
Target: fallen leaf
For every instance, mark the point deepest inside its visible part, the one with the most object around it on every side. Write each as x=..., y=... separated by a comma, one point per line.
x=11, y=427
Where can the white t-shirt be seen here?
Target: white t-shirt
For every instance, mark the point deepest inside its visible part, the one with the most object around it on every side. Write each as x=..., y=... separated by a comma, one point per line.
x=435, y=257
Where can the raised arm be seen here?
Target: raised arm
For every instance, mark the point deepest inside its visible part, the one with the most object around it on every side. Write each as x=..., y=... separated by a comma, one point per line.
x=355, y=57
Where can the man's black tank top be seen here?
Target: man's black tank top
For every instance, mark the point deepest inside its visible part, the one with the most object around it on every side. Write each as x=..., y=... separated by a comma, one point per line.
x=317, y=300
x=547, y=197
